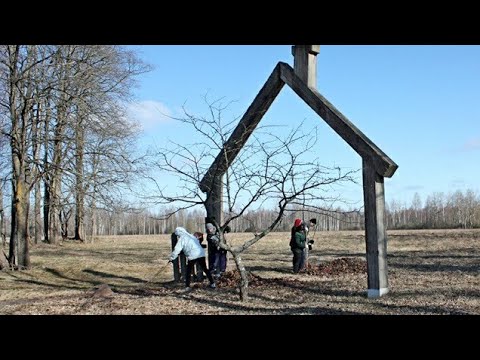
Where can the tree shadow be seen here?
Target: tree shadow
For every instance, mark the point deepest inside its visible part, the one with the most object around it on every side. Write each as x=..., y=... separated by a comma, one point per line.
x=423, y=309
x=260, y=268
x=474, y=268
x=272, y=310
x=417, y=254
x=447, y=292
x=58, y=286
x=113, y=276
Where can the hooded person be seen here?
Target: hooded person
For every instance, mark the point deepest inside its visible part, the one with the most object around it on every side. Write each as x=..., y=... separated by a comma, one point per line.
x=194, y=253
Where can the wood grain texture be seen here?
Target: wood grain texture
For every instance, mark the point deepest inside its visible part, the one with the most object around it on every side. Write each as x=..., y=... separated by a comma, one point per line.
x=375, y=230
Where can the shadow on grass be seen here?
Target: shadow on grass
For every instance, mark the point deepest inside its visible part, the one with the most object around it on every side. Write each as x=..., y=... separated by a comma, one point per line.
x=417, y=254
x=474, y=268
x=58, y=286
x=447, y=292
x=266, y=268
x=113, y=276
x=423, y=309
x=272, y=310
x=133, y=256
x=41, y=282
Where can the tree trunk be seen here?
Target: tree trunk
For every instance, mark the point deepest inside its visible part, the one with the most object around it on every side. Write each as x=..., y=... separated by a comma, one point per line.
x=19, y=107
x=93, y=214
x=55, y=189
x=38, y=197
x=46, y=177
x=3, y=236
x=3, y=258
x=3, y=261
x=79, y=189
x=46, y=212
x=19, y=251
x=37, y=211
x=243, y=275
x=21, y=206
x=52, y=228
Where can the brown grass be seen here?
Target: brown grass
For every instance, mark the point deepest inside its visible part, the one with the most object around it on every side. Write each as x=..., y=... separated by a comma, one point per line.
x=430, y=272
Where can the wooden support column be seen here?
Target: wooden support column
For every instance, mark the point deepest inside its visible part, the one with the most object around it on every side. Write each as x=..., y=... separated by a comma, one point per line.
x=214, y=202
x=305, y=63
x=375, y=231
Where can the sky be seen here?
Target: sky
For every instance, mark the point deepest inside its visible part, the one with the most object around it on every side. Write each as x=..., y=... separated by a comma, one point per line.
x=419, y=104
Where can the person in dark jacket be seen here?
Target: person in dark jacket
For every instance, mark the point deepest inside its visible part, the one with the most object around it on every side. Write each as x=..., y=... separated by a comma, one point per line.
x=213, y=242
x=297, y=245
x=198, y=273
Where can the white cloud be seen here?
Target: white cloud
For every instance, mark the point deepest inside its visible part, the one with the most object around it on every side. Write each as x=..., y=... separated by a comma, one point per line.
x=149, y=113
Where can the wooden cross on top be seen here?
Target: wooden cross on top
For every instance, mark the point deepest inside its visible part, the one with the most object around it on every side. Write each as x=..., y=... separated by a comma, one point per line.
x=305, y=63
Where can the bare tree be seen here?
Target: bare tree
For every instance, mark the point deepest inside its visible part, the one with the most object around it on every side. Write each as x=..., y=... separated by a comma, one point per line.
x=19, y=71
x=269, y=169
x=50, y=96
x=3, y=256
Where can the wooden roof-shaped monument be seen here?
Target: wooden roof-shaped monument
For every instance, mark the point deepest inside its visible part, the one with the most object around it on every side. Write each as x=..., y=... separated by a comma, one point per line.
x=375, y=163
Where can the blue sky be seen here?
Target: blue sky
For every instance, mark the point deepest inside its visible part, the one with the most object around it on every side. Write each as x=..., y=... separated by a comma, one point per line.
x=419, y=104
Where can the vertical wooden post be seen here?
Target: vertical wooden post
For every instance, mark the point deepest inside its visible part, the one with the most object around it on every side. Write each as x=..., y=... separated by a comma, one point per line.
x=214, y=202
x=305, y=63
x=375, y=231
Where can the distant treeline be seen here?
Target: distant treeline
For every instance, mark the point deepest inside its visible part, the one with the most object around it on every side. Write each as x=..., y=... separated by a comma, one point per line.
x=439, y=211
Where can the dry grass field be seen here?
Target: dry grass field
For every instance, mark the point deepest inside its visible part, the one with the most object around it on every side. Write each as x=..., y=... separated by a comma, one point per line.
x=430, y=272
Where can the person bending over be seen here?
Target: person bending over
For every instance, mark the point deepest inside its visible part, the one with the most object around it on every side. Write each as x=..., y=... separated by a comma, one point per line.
x=194, y=252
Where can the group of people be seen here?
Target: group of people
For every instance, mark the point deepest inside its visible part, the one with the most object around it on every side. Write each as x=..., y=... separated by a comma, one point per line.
x=194, y=251
x=298, y=243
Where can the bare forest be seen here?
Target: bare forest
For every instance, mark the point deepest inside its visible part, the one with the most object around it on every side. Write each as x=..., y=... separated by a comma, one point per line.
x=66, y=144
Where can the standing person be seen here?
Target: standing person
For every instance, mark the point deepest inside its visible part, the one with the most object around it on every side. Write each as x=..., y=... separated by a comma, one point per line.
x=198, y=270
x=222, y=254
x=194, y=252
x=213, y=249
x=308, y=246
x=199, y=236
x=297, y=245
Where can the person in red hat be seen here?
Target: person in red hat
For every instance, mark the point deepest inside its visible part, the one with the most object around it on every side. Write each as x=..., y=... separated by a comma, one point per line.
x=297, y=245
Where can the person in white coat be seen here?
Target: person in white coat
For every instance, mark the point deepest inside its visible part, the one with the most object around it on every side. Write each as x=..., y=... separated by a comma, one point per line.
x=194, y=253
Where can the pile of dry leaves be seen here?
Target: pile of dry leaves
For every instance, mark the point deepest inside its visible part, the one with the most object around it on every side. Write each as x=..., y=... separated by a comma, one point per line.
x=332, y=268
x=338, y=266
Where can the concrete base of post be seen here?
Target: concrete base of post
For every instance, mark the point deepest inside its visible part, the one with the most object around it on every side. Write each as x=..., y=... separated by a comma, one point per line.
x=376, y=293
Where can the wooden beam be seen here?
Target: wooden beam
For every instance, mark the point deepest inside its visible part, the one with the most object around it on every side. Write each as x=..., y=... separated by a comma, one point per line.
x=244, y=129
x=339, y=123
x=375, y=231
